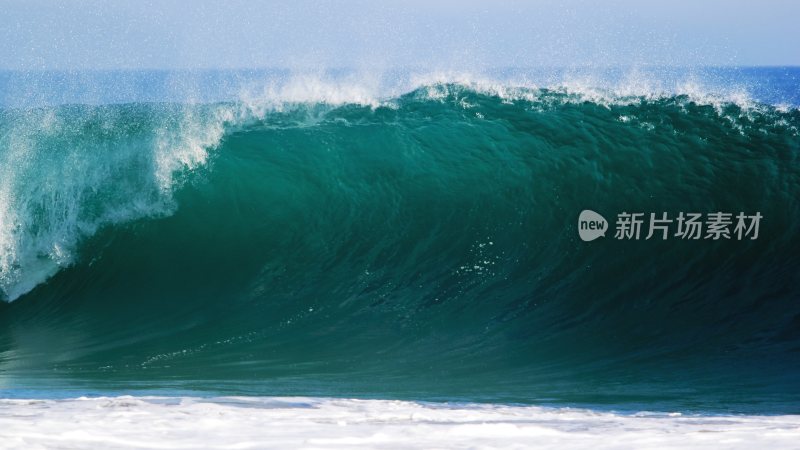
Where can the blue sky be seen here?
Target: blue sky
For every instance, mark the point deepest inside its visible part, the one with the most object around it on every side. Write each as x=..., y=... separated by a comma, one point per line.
x=90, y=34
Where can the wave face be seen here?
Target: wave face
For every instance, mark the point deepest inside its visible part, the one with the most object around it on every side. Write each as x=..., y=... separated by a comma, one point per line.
x=424, y=246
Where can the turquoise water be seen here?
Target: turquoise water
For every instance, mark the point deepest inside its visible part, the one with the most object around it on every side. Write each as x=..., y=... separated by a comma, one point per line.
x=418, y=245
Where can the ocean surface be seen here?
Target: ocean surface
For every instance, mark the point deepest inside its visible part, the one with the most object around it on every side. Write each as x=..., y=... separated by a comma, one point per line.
x=400, y=237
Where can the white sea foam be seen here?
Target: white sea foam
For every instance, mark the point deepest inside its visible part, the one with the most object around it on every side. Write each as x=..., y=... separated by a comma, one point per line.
x=271, y=422
x=632, y=89
x=374, y=90
x=309, y=88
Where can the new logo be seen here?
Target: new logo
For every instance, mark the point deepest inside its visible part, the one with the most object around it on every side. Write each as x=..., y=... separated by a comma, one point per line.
x=591, y=225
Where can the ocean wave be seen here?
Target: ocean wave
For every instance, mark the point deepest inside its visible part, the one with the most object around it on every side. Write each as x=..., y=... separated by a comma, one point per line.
x=284, y=234
x=61, y=165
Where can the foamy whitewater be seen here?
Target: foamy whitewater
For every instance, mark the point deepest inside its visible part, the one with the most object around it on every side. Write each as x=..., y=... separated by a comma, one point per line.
x=251, y=253
x=309, y=423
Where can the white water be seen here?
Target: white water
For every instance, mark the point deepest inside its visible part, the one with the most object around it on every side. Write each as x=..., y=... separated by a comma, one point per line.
x=273, y=422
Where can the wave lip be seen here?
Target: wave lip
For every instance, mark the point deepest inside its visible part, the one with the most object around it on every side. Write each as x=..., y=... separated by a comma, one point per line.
x=68, y=171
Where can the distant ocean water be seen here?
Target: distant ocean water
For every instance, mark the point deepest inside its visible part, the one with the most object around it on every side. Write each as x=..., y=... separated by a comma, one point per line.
x=411, y=236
